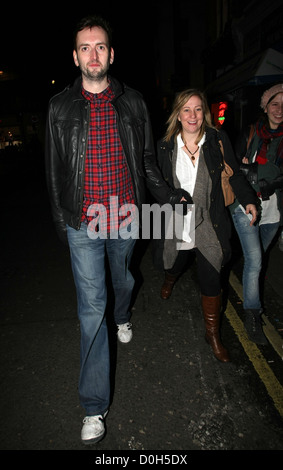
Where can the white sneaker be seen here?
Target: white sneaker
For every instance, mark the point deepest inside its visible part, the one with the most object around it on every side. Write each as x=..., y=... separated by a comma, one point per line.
x=93, y=429
x=125, y=332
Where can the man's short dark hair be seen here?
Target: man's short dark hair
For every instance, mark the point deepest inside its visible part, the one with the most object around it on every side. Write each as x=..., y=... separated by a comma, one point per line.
x=90, y=22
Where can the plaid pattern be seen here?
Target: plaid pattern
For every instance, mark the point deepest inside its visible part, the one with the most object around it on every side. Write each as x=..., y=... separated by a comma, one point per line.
x=106, y=171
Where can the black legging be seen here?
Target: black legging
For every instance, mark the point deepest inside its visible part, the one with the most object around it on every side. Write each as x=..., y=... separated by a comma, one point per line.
x=209, y=278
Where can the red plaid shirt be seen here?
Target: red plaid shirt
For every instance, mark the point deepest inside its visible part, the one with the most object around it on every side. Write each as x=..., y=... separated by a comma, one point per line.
x=106, y=170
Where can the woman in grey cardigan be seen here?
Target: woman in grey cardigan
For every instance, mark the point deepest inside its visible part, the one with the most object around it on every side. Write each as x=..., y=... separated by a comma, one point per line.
x=190, y=158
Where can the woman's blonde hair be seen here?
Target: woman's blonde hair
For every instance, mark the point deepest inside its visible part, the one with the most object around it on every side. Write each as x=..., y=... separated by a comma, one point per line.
x=174, y=125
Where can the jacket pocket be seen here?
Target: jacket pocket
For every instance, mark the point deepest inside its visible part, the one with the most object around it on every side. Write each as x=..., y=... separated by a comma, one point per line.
x=134, y=128
x=133, y=121
x=68, y=133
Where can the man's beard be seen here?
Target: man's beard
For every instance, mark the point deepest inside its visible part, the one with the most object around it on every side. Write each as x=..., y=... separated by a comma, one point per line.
x=95, y=75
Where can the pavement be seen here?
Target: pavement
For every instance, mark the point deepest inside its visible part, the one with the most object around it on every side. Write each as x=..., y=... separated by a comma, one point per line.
x=169, y=393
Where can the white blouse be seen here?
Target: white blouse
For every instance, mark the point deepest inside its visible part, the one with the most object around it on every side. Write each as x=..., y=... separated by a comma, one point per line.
x=186, y=173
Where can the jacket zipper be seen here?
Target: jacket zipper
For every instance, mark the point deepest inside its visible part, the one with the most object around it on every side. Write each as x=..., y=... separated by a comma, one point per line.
x=87, y=107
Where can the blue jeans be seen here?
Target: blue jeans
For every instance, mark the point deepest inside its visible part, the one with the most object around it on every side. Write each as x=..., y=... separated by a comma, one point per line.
x=88, y=265
x=254, y=240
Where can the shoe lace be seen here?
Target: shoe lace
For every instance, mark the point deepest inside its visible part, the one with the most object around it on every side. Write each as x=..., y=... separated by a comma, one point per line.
x=125, y=326
x=92, y=419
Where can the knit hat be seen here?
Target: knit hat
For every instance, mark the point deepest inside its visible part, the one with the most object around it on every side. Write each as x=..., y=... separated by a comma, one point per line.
x=268, y=94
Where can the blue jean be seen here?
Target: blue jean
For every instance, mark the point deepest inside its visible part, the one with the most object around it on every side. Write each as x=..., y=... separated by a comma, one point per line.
x=254, y=240
x=88, y=265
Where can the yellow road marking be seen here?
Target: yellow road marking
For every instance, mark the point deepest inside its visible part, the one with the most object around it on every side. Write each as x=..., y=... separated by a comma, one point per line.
x=274, y=338
x=272, y=385
x=272, y=335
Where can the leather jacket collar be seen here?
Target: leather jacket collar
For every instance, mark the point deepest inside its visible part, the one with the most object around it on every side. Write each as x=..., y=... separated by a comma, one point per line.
x=117, y=86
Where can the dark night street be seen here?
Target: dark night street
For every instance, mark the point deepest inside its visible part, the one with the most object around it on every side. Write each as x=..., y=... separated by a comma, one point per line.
x=170, y=393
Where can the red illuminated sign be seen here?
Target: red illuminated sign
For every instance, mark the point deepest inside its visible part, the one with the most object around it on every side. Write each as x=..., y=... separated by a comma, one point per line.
x=218, y=112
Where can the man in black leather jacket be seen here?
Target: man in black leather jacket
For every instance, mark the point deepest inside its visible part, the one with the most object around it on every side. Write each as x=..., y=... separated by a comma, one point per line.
x=99, y=146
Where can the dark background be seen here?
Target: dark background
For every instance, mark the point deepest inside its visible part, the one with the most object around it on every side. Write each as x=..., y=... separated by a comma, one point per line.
x=36, y=43
x=170, y=393
x=160, y=48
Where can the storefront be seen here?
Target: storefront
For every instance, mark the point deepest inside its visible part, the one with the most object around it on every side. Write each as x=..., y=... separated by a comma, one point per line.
x=241, y=87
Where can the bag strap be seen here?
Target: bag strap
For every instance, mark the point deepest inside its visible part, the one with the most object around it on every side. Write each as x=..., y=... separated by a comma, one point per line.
x=251, y=134
x=227, y=168
x=221, y=147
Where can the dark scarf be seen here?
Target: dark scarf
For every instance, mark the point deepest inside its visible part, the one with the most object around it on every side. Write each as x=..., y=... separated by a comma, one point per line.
x=266, y=135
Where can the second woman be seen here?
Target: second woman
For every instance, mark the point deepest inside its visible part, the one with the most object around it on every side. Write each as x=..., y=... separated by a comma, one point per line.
x=190, y=157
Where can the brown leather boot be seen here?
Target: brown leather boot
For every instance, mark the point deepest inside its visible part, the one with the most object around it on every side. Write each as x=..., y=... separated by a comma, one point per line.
x=168, y=284
x=211, y=307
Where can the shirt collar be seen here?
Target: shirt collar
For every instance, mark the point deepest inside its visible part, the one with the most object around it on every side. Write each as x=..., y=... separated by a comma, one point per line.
x=106, y=94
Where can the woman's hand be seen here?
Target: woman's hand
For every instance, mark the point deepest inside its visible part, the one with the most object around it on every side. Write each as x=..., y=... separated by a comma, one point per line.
x=251, y=209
